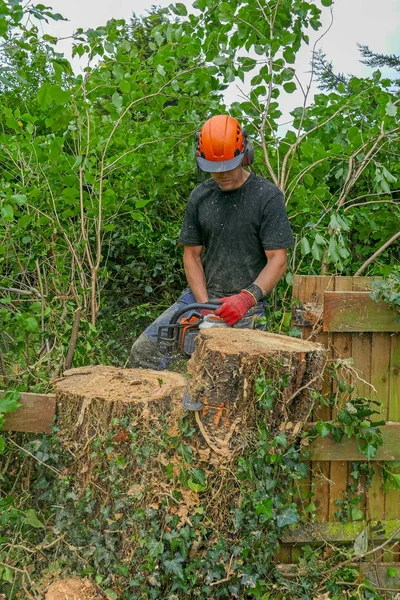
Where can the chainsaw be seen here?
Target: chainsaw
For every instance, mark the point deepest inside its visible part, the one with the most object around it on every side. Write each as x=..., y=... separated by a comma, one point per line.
x=180, y=333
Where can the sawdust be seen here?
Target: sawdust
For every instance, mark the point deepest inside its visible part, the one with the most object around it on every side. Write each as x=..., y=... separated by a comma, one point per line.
x=112, y=384
x=74, y=589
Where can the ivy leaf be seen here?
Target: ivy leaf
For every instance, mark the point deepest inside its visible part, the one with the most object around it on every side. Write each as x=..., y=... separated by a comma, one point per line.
x=174, y=566
x=369, y=450
x=357, y=514
x=196, y=487
x=265, y=508
x=392, y=572
x=287, y=517
x=323, y=428
x=32, y=520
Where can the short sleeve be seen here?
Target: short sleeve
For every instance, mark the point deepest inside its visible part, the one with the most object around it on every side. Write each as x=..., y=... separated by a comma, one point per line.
x=191, y=232
x=275, y=230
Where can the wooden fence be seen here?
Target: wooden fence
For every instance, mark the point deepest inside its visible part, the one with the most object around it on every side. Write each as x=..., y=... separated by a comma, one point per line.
x=339, y=313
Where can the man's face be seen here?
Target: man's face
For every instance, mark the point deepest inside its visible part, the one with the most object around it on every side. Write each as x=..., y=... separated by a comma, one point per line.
x=230, y=180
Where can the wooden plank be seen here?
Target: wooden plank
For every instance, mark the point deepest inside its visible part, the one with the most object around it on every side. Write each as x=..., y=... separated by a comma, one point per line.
x=338, y=470
x=364, y=284
x=386, y=580
x=310, y=288
x=356, y=311
x=327, y=449
x=380, y=367
x=320, y=484
x=35, y=415
x=340, y=532
x=361, y=352
x=338, y=486
x=392, y=497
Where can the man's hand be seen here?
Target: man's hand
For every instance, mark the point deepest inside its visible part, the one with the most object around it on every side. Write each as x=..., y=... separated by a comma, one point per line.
x=235, y=307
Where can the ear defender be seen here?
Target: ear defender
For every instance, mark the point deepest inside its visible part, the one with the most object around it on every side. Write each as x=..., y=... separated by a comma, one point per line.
x=248, y=150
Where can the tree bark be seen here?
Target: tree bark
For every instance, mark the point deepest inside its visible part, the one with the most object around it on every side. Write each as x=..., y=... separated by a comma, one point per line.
x=238, y=372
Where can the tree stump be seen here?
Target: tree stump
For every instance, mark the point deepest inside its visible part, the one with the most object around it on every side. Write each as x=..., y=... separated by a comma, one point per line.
x=89, y=398
x=235, y=372
x=99, y=401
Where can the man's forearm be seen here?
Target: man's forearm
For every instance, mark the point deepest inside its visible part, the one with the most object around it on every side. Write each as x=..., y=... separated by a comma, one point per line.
x=196, y=278
x=271, y=274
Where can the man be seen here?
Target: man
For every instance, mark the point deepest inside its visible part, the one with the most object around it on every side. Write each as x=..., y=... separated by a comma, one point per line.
x=234, y=235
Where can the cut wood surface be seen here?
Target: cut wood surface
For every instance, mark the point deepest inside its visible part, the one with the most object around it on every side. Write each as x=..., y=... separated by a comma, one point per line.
x=74, y=589
x=357, y=311
x=225, y=366
x=327, y=449
x=35, y=415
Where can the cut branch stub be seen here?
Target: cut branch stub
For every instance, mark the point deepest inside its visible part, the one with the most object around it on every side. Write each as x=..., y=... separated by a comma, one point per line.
x=90, y=398
x=225, y=368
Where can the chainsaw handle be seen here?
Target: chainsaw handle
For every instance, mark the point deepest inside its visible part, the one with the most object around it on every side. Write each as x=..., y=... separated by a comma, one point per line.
x=212, y=305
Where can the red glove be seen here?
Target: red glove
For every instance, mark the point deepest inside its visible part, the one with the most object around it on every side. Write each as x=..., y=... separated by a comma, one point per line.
x=235, y=307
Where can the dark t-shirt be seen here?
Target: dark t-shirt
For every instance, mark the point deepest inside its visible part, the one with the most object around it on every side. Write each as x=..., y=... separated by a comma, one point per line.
x=235, y=229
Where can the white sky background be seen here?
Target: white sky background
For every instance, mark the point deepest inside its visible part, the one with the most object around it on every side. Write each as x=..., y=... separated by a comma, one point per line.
x=370, y=22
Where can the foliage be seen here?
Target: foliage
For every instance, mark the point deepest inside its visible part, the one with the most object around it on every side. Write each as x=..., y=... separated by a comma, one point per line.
x=95, y=172
x=388, y=290
x=8, y=403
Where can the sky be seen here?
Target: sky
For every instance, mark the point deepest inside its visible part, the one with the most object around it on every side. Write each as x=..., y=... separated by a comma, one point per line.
x=370, y=22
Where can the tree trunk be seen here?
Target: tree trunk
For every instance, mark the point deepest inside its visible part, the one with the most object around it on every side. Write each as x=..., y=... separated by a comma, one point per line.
x=238, y=372
x=92, y=401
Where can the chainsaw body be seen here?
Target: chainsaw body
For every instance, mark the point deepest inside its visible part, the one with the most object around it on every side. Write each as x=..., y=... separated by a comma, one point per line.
x=179, y=335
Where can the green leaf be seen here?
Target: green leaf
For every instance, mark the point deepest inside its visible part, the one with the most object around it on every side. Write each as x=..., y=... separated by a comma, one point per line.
x=117, y=100
x=19, y=198
x=265, y=508
x=369, y=451
x=287, y=517
x=196, y=487
x=357, y=514
x=7, y=575
x=174, y=566
x=289, y=55
x=323, y=428
x=2, y=444
x=179, y=9
x=391, y=109
x=31, y=324
x=326, y=2
x=32, y=520
x=392, y=572
x=289, y=87
x=305, y=246
x=161, y=70
x=7, y=212
x=9, y=402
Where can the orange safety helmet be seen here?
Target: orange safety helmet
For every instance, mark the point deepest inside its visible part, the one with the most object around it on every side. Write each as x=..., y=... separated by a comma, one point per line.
x=222, y=145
